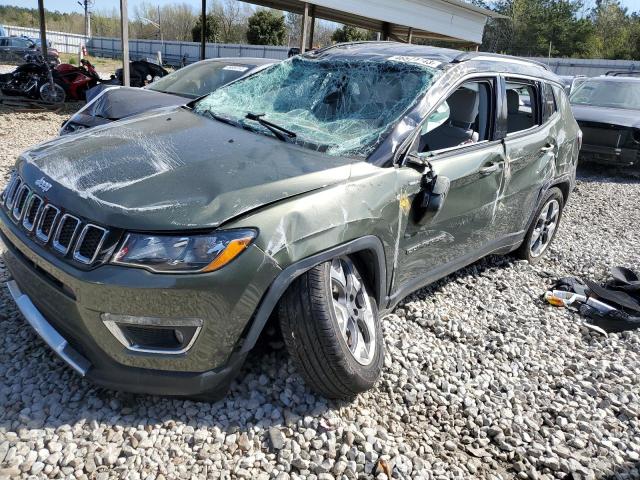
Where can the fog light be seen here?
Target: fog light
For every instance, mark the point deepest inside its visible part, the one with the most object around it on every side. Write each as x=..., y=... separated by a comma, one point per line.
x=153, y=334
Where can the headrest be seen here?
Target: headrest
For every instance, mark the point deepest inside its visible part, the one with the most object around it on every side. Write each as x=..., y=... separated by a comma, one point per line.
x=513, y=101
x=463, y=106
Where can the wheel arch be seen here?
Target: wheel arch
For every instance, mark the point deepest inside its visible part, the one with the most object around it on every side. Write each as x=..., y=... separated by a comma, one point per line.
x=369, y=254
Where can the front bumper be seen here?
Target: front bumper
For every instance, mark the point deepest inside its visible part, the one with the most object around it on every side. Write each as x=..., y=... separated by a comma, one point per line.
x=612, y=156
x=64, y=305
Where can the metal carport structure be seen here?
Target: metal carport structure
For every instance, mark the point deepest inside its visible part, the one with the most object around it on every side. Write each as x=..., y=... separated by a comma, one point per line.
x=403, y=20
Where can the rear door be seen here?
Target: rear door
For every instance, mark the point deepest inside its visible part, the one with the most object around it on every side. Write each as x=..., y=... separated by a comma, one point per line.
x=475, y=167
x=531, y=148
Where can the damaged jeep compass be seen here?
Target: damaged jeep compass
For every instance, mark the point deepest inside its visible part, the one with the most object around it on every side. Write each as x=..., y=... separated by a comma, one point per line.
x=150, y=253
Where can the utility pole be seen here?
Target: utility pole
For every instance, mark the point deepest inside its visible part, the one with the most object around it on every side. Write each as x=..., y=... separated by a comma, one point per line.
x=203, y=31
x=124, y=31
x=43, y=29
x=86, y=5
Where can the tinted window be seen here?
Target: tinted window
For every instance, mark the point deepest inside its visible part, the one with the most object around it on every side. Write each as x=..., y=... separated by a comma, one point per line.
x=548, y=102
x=463, y=118
x=522, y=106
x=607, y=93
x=20, y=42
x=200, y=78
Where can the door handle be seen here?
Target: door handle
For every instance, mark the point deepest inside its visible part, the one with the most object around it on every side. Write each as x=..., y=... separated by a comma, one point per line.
x=489, y=169
x=547, y=148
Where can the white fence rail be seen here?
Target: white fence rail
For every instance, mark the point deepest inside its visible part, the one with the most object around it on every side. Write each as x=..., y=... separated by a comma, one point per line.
x=173, y=52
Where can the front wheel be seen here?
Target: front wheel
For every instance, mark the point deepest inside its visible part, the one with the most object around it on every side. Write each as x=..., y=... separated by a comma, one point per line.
x=543, y=228
x=331, y=329
x=52, y=93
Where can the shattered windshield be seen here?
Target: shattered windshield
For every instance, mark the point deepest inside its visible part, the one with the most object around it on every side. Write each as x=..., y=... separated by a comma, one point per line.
x=602, y=93
x=341, y=107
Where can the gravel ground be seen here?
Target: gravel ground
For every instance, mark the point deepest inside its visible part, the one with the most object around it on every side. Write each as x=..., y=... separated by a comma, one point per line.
x=482, y=380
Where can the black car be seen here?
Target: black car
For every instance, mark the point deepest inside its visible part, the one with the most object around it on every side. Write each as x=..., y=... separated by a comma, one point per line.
x=608, y=111
x=14, y=49
x=198, y=79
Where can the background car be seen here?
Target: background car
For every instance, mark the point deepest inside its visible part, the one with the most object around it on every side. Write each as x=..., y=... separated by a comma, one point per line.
x=571, y=81
x=14, y=49
x=607, y=109
x=193, y=81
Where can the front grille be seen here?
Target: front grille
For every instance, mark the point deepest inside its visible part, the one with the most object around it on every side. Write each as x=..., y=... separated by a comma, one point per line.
x=65, y=233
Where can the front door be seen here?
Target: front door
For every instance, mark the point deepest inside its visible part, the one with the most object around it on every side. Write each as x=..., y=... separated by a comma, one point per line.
x=457, y=140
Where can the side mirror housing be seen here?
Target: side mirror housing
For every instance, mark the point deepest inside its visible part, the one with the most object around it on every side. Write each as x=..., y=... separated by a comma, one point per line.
x=430, y=200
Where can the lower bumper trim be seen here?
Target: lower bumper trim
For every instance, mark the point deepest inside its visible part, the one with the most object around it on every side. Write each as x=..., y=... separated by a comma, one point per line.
x=46, y=331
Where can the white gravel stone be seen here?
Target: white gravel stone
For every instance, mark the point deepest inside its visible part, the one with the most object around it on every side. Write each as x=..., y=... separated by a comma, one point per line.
x=482, y=380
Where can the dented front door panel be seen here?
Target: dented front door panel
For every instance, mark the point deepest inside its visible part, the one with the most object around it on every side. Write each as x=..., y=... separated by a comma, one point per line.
x=466, y=222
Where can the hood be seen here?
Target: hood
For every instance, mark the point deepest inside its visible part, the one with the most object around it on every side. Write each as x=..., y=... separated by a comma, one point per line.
x=611, y=116
x=115, y=103
x=172, y=170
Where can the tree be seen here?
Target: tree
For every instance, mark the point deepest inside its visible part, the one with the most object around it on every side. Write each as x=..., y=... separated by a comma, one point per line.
x=266, y=27
x=350, y=34
x=213, y=30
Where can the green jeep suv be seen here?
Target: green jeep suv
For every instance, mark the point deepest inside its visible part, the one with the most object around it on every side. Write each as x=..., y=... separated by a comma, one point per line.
x=150, y=253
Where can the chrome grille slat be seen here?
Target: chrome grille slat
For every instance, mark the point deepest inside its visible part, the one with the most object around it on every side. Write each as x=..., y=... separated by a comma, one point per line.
x=82, y=239
x=65, y=245
x=34, y=205
x=60, y=231
x=40, y=233
x=20, y=201
x=11, y=196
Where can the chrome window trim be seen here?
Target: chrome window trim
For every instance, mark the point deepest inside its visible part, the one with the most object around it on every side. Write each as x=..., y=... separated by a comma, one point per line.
x=56, y=244
x=39, y=234
x=76, y=251
x=17, y=215
x=25, y=221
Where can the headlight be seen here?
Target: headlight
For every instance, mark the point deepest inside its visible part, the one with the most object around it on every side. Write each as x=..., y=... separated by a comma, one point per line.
x=183, y=253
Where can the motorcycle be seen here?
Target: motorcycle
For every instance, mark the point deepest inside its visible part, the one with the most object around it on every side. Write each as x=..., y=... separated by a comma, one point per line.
x=42, y=80
x=33, y=79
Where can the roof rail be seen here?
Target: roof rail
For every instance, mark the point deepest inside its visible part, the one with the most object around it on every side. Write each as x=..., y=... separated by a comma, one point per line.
x=465, y=56
x=622, y=73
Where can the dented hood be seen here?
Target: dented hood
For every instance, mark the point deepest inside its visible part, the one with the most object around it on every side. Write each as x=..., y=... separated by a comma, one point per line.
x=612, y=116
x=173, y=170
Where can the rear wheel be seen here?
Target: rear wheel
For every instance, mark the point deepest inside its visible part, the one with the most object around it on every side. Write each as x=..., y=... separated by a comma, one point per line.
x=543, y=228
x=331, y=329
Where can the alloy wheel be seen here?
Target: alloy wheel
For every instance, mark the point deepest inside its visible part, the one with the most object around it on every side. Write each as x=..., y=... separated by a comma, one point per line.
x=352, y=307
x=544, y=228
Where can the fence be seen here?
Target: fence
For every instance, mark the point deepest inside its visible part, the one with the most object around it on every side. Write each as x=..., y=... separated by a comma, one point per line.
x=590, y=67
x=172, y=51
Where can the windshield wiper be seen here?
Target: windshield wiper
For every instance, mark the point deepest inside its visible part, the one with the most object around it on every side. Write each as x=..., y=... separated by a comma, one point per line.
x=220, y=118
x=280, y=132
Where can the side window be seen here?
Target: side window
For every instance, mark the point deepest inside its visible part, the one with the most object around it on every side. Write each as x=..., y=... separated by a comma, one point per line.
x=464, y=118
x=548, y=102
x=522, y=106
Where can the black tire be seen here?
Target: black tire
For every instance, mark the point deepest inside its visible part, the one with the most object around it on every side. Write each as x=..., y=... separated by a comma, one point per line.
x=313, y=339
x=525, y=250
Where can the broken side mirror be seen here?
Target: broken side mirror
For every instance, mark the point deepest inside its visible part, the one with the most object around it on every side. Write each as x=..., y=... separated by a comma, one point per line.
x=431, y=198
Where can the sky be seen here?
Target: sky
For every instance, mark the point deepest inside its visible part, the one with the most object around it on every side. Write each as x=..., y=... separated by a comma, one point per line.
x=72, y=5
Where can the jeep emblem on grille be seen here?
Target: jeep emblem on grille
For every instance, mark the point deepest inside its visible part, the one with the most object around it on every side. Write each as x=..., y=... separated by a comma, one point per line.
x=43, y=184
